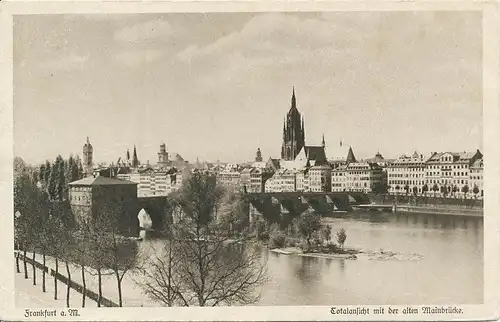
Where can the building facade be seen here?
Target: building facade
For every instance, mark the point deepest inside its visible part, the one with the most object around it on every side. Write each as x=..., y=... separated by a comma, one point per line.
x=476, y=178
x=407, y=174
x=154, y=182
x=105, y=199
x=363, y=176
x=448, y=173
x=258, y=179
x=320, y=178
x=339, y=178
x=282, y=181
x=230, y=176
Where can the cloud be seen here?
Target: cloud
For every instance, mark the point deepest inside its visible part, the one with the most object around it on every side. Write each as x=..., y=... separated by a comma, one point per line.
x=144, y=32
x=70, y=62
x=135, y=58
x=265, y=33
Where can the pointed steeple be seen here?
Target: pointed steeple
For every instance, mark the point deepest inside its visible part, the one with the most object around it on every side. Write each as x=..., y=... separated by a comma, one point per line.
x=350, y=156
x=135, y=160
x=128, y=154
x=294, y=102
x=323, y=141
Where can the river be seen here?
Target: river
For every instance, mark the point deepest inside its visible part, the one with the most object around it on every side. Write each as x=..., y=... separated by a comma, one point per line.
x=450, y=271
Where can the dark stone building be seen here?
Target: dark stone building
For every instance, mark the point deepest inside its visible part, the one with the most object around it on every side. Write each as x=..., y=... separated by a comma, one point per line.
x=293, y=132
x=92, y=197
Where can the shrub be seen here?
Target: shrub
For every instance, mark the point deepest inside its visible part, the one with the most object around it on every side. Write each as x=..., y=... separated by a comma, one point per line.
x=261, y=230
x=304, y=246
x=277, y=239
x=341, y=237
x=331, y=247
x=326, y=233
x=292, y=242
x=316, y=239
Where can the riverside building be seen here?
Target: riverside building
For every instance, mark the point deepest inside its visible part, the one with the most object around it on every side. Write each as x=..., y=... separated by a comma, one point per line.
x=102, y=196
x=476, y=178
x=363, y=176
x=407, y=174
x=448, y=173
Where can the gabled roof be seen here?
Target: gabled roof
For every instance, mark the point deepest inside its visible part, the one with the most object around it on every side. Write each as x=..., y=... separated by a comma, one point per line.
x=316, y=153
x=100, y=181
x=274, y=163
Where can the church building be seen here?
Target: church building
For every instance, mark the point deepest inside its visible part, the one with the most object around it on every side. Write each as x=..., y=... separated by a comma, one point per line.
x=293, y=132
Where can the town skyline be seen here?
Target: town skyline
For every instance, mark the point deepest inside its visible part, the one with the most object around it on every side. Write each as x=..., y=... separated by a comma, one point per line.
x=214, y=87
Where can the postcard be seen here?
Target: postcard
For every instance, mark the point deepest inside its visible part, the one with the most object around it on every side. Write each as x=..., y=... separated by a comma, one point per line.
x=250, y=161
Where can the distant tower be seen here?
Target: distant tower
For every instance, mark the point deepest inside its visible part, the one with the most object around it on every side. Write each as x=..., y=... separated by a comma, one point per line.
x=88, y=152
x=135, y=160
x=163, y=155
x=258, y=157
x=293, y=132
x=128, y=158
x=323, y=141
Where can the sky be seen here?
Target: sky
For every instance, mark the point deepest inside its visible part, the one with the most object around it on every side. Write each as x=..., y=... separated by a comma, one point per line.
x=218, y=85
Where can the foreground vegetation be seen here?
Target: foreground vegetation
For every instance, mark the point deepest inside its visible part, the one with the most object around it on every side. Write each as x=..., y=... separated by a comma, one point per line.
x=200, y=263
x=307, y=232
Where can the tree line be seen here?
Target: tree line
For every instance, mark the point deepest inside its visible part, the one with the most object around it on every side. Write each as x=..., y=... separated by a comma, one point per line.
x=45, y=225
x=445, y=190
x=201, y=262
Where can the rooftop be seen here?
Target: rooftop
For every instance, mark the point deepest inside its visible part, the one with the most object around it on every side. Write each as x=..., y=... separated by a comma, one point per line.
x=100, y=181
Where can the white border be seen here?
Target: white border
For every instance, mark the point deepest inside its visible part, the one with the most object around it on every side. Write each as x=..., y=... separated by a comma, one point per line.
x=491, y=132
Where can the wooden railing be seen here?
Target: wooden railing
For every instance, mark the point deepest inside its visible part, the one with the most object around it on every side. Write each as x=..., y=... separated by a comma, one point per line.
x=74, y=285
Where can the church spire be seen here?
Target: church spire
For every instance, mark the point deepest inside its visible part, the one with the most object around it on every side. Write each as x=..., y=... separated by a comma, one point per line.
x=323, y=141
x=135, y=160
x=294, y=103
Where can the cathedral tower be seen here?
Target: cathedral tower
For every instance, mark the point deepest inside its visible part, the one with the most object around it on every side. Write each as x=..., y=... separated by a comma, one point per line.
x=293, y=132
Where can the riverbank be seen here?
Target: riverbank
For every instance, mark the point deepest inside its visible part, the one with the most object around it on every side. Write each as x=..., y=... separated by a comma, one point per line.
x=350, y=254
x=436, y=210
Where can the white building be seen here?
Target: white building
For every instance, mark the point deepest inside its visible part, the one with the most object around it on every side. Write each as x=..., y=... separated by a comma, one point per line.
x=363, y=176
x=154, y=182
x=282, y=181
x=448, y=173
x=339, y=178
x=230, y=176
x=406, y=175
x=320, y=178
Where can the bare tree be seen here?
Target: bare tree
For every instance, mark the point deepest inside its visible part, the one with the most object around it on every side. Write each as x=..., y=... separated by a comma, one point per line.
x=210, y=268
x=159, y=278
x=81, y=255
x=95, y=238
x=213, y=270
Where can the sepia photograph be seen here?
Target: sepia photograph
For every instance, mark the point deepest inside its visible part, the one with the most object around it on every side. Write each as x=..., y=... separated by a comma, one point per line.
x=235, y=159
